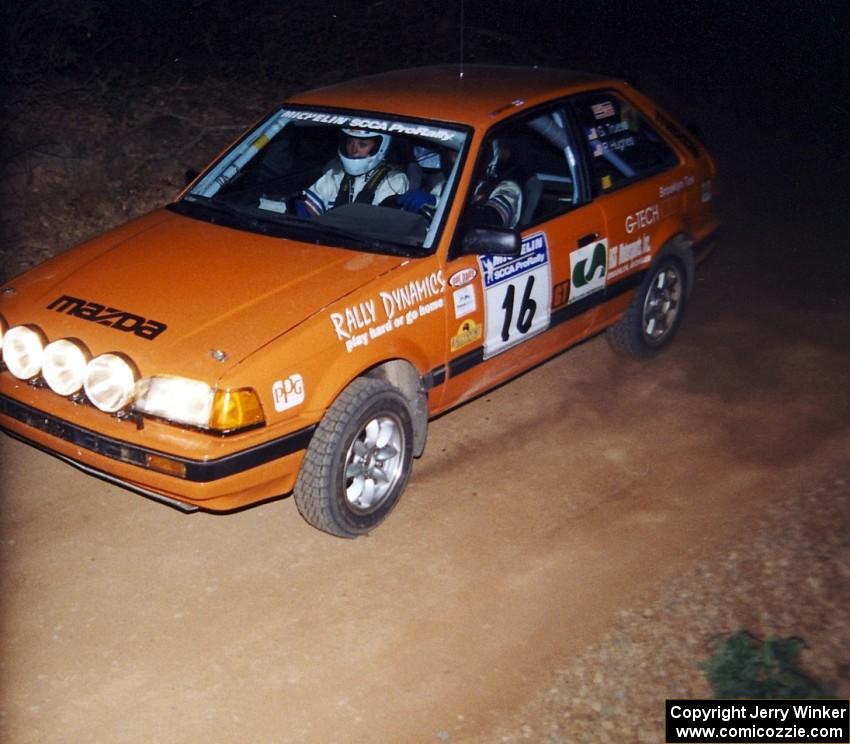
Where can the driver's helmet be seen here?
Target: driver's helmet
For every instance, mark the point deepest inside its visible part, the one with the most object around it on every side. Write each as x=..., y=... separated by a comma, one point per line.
x=359, y=166
x=426, y=158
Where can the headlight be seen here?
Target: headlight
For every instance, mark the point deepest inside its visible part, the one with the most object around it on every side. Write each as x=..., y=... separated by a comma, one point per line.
x=195, y=403
x=23, y=348
x=64, y=366
x=109, y=382
x=176, y=399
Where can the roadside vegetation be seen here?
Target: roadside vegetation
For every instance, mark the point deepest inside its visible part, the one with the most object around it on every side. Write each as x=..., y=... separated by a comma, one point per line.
x=745, y=666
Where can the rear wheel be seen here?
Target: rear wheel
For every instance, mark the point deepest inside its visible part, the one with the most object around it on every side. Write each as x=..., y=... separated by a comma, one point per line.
x=654, y=314
x=359, y=460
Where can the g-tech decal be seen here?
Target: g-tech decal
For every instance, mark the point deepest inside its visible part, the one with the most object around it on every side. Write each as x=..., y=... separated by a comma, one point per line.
x=626, y=256
x=121, y=320
x=288, y=393
x=642, y=218
x=464, y=299
x=357, y=324
x=588, y=269
x=516, y=294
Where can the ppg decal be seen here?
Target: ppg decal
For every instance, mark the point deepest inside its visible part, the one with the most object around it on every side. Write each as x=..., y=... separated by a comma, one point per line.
x=288, y=393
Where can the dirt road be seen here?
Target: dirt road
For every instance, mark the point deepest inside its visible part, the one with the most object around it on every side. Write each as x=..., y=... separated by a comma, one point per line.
x=537, y=514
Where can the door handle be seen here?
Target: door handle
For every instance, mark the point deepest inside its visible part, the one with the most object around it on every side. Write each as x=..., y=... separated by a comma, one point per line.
x=587, y=239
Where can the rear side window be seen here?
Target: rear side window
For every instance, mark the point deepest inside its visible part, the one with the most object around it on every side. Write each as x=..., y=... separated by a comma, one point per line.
x=623, y=146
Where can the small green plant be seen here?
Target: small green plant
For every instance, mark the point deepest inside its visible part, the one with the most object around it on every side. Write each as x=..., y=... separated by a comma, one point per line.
x=744, y=666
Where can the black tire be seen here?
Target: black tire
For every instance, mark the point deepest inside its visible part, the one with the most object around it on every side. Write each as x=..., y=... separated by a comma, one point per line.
x=651, y=320
x=359, y=460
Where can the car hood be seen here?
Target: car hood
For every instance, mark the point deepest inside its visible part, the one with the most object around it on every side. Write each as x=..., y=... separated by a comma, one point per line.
x=212, y=287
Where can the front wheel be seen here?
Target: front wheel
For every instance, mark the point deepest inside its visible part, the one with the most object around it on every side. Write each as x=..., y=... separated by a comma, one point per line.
x=359, y=460
x=653, y=316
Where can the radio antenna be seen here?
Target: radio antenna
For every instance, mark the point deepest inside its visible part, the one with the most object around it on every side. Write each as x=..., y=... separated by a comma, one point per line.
x=461, y=38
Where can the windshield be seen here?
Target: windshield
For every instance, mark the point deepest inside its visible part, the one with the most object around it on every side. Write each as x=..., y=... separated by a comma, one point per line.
x=336, y=177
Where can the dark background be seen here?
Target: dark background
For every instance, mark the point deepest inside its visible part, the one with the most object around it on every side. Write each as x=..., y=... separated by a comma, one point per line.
x=767, y=83
x=761, y=56
x=106, y=104
x=308, y=41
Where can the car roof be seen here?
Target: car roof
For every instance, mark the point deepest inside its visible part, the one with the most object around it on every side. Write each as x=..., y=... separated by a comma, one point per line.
x=473, y=94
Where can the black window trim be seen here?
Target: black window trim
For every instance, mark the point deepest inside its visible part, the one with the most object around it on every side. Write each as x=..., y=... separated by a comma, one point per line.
x=573, y=131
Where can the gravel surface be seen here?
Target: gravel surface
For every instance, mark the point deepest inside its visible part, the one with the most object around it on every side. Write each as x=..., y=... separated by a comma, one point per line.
x=789, y=576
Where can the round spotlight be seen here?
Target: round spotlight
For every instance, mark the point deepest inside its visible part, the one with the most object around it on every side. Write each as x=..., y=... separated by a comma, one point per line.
x=64, y=366
x=23, y=349
x=109, y=382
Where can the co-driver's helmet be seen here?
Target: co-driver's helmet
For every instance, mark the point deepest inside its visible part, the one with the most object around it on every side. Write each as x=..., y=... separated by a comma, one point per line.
x=426, y=158
x=359, y=166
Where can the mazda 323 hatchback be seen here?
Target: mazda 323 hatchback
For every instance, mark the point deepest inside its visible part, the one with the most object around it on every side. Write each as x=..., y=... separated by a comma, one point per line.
x=367, y=256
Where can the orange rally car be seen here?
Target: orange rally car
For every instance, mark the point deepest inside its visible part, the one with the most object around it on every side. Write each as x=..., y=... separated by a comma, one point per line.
x=367, y=256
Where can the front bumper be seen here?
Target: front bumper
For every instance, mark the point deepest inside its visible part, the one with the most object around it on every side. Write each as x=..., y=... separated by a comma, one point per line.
x=253, y=474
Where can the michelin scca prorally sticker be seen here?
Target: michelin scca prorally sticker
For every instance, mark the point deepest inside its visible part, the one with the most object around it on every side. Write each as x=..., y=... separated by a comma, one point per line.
x=517, y=293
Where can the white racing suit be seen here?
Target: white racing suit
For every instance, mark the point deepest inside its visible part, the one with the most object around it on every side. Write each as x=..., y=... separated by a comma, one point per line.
x=505, y=198
x=324, y=193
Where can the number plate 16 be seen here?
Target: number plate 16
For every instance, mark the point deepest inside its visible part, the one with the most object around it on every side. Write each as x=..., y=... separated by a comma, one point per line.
x=516, y=295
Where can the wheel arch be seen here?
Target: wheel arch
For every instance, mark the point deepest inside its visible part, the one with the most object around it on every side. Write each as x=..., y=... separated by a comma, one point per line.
x=402, y=375
x=682, y=247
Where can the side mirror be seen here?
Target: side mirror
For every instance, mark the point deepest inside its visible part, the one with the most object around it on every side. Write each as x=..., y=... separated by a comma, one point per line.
x=493, y=241
x=190, y=175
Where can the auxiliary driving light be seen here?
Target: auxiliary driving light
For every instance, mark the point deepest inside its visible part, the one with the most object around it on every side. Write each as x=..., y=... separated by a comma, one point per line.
x=23, y=348
x=109, y=382
x=64, y=366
